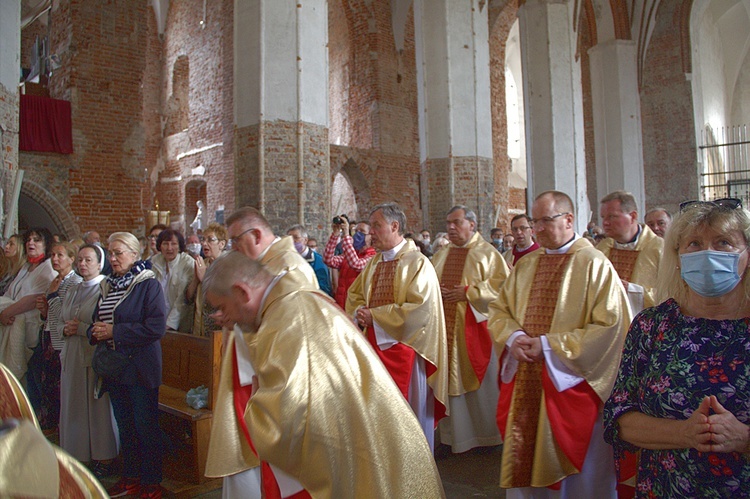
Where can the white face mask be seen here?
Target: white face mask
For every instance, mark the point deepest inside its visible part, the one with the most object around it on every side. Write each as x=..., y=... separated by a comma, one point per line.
x=194, y=248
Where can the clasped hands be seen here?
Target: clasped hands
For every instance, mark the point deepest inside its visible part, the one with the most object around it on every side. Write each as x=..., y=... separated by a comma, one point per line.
x=527, y=349
x=101, y=331
x=717, y=432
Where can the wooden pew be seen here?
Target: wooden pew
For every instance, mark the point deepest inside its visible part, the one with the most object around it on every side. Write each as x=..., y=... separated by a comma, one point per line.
x=187, y=362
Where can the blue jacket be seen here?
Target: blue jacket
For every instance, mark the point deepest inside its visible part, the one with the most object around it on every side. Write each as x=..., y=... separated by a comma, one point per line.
x=140, y=321
x=321, y=271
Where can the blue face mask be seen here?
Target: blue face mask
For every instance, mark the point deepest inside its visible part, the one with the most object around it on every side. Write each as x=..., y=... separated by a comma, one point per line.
x=497, y=242
x=710, y=273
x=359, y=240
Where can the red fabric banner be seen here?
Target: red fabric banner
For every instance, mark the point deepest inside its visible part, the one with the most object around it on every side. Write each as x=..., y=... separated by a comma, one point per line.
x=45, y=125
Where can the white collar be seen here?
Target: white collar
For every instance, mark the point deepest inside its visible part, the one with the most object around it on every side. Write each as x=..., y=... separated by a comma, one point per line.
x=564, y=248
x=263, y=253
x=390, y=254
x=631, y=245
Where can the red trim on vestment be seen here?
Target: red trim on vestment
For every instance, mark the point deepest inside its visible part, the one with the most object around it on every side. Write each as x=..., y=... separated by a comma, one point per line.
x=398, y=360
x=572, y=414
x=478, y=343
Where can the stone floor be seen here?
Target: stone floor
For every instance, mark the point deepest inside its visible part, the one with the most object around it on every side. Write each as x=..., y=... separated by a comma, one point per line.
x=473, y=474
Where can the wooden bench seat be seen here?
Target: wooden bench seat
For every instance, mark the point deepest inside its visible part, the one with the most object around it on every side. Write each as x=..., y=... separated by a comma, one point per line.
x=187, y=362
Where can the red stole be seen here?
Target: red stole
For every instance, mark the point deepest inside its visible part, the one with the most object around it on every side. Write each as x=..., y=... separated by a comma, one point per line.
x=242, y=395
x=571, y=413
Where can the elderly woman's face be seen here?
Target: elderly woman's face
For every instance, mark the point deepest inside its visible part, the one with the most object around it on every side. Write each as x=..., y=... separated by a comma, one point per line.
x=87, y=263
x=121, y=257
x=212, y=245
x=170, y=248
x=704, y=238
x=35, y=246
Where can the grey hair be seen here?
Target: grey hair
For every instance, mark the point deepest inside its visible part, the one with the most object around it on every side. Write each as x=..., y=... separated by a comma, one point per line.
x=392, y=213
x=233, y=267
x=300, y=228
x=128, y=240
x=468, y=214
x=658, y=208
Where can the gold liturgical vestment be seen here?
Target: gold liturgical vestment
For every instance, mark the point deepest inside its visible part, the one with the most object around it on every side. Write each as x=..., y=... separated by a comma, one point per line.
x=281, y=255
x=325, y=411
x=643, y=265
x=483, y=273
x=586, y=333
x=415, y=316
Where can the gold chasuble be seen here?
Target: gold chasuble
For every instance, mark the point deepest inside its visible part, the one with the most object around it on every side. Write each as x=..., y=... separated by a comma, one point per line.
x=577, y=302
x=639, y=265
x=281, y=255
x=325, y=411
x=413, y=315
x=482, y=270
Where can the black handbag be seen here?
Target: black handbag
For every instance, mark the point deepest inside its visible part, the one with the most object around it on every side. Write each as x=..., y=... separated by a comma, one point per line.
x=109, y=363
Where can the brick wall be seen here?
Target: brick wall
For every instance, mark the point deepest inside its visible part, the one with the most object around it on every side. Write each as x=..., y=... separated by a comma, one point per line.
x=501, y=21
x=8, y=142
x=669, y=148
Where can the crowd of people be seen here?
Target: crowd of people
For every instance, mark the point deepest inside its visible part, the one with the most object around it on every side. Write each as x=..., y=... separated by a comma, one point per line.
x=610, y=362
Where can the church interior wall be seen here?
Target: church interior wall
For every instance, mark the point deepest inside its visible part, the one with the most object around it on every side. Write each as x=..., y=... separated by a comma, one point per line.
x=669, y=146
x=129, y=118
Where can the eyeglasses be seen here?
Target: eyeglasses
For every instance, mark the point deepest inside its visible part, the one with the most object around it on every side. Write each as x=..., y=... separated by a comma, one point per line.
x=724, y=203
x=524, y=228
x=116, y=254
x=546, y=220
x=211, y=239
x=238, y=236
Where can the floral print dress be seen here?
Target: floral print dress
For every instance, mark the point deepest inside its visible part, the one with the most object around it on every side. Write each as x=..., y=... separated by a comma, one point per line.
x=670, y=363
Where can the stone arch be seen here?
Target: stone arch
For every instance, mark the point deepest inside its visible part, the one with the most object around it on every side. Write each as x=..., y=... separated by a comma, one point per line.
x=40, y=206
x=356, y=172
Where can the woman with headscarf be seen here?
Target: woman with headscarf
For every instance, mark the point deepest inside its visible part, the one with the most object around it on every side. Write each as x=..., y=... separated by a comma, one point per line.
x=86, y=430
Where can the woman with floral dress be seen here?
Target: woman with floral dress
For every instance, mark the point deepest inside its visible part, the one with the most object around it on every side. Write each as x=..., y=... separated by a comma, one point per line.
x=682, y=396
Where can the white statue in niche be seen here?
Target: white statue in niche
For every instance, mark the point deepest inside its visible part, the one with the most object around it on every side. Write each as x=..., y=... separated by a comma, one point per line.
x=199, y=223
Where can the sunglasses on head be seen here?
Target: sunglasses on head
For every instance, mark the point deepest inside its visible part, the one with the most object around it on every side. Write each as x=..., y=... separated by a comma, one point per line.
x=724, y=203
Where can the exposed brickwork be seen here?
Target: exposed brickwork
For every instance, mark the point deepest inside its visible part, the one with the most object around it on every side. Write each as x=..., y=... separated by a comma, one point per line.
x=501, y=22
x=669, y=148
x=196, y=88
x=8, y=143
x=585, y=42
x=377, y=178
x=282, y=186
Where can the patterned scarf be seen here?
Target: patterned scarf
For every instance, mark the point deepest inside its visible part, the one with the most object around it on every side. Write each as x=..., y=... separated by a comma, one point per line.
x=118, y=283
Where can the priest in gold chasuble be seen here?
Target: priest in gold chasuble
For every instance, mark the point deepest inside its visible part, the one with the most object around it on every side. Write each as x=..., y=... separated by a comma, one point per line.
x=633, y=249
x=559, y=324
x=471, y=272
x=396, y=300
x=323, y=418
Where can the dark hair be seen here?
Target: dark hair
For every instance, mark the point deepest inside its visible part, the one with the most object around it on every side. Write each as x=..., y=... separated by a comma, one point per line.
x=161, y=227
x=519, y=217
x=45, y=234
x=167, y=235
x=98, y=251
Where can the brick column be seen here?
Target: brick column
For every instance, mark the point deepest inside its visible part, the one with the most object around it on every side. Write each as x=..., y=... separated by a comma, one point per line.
x=281, y=111
x=10, y=65
x=617, y=119
x=553, y=102
x=455, y=127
